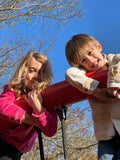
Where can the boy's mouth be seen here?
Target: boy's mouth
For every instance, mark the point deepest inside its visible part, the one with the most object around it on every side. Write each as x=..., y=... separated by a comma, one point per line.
x=96, y=65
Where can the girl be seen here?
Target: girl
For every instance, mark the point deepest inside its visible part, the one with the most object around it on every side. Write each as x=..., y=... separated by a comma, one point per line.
x=18, y=133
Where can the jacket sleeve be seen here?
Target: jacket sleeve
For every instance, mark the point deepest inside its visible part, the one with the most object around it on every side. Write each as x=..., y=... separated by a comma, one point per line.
x=114, y=72
x=77, y=78
x=47, y=122
x=8, y=110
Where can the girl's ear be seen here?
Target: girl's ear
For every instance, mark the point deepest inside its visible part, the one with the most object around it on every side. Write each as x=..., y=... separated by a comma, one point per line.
x=99, y=46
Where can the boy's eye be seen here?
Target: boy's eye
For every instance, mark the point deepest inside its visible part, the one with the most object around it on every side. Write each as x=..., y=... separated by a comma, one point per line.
x=83, y=60
x=89, y=53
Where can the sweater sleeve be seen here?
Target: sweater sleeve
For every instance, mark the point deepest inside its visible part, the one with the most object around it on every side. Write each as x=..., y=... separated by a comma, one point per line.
x=8, y=110
x=114, y=72
x=77, y=78
x=47, y=122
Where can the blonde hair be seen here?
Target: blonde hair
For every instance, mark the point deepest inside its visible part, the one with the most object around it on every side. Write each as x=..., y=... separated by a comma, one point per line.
x=74, y=47
x=45, y=75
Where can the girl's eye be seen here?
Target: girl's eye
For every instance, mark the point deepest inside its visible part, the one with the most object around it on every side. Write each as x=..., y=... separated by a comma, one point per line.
x=31, y=70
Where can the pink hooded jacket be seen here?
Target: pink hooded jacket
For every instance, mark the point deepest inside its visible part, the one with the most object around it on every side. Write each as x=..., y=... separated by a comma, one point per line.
x=16, y=133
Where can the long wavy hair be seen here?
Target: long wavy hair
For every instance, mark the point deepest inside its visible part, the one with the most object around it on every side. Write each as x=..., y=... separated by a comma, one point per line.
x=45, y=75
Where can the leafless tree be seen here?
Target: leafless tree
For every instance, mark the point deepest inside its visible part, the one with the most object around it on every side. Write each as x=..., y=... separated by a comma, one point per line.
x=53, y=9
x=26, y=25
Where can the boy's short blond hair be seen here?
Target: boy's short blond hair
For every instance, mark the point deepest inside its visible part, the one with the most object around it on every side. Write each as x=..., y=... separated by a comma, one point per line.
x=75, y=47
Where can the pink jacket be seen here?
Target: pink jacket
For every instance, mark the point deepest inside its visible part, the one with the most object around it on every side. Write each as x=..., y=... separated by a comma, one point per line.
x=16, y=133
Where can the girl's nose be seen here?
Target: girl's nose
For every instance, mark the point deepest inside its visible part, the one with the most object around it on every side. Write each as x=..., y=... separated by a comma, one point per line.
x=36, y=76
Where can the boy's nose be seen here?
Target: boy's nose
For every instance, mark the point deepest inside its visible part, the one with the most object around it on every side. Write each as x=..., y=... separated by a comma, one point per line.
x=91, y=60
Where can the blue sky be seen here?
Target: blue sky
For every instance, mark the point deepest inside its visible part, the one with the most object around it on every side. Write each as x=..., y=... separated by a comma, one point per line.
x=101, y=19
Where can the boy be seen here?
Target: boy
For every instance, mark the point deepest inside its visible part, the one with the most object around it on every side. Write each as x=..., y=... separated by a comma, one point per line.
x=84, y=52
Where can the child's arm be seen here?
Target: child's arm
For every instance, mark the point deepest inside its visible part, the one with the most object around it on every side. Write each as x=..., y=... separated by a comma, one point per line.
x=46, y=121
x=77, y=78
x=29, y=119
x=100, y=93
x=113, y=82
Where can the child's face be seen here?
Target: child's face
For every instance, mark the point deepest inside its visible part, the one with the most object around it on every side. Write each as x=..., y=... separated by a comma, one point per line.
x=32, y=73
x=92, y=59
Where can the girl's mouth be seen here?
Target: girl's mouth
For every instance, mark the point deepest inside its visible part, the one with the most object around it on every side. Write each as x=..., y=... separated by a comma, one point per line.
x=34, y=81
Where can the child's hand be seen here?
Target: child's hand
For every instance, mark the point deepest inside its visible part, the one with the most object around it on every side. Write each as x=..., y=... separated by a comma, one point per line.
x=100, y=93
x=35, y=101
x=113, y=92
